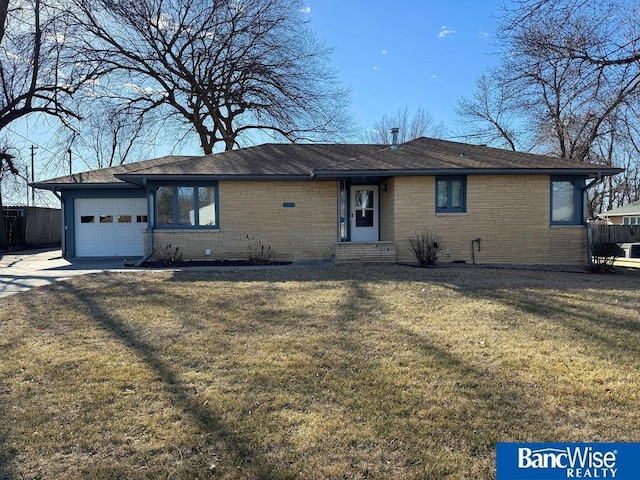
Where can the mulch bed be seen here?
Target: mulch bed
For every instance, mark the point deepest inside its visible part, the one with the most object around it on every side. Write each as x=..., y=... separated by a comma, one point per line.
x=206, y=263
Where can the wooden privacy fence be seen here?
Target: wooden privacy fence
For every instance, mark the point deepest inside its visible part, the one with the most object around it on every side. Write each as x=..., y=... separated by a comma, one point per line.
x=33, y=226
x=615, y=233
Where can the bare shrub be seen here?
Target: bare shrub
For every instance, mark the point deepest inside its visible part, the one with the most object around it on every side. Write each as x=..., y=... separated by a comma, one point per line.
x=604, y=250
x=258, y=253
x=168, y=254
x=426, y=247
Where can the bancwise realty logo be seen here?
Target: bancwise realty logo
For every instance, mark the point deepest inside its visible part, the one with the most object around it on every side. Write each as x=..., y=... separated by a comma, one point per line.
x=551, y=461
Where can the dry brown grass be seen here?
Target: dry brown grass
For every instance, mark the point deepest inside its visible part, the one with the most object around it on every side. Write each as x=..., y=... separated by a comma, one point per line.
x=346, y=372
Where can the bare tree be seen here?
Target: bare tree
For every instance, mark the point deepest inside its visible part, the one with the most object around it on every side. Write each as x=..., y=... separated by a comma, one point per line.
x=563, y=102
x=420, y=123
x=7, y=167
x=488, y=115
x=39, y=70
x=217, y=69
x=600, y=33
x=108, y=134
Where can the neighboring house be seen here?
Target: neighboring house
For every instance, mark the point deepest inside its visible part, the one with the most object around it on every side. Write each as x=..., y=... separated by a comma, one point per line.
x=628, y=214
x=343, y=202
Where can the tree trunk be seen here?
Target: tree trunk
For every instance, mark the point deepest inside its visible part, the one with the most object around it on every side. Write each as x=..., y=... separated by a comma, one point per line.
x=4, y=240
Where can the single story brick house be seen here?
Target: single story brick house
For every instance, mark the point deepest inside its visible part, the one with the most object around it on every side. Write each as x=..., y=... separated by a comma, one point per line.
x=346, y=202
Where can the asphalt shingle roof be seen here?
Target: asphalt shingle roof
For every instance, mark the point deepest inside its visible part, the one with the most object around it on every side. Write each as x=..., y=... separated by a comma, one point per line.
x=421, y=156
x=632, y=208
x=434, y=154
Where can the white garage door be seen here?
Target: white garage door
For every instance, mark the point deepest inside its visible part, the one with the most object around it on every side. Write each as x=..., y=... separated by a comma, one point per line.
x=109, y=227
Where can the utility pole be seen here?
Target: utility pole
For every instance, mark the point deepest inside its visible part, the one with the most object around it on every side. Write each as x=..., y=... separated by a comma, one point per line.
x=33, y=178
x=26, y=177
x=70, y=169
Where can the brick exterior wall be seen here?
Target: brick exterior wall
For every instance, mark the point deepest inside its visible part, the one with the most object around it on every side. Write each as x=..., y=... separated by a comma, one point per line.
x=375, y=252
x=510, y=214
x=387, y=210
x=255, y=210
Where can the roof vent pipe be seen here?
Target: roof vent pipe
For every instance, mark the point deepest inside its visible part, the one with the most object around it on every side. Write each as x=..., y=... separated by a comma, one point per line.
x=394, y=138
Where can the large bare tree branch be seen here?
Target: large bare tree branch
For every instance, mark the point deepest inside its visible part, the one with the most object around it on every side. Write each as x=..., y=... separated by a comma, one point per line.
x=571, y=75
x=223, y=67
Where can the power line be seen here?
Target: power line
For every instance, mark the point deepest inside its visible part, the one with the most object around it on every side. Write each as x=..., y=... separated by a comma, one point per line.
x=53, y=154
x=30, y=141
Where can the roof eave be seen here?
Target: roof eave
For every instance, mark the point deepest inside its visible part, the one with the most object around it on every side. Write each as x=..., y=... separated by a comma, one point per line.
x=66, y=186
x=589, y=172
x=138, y=179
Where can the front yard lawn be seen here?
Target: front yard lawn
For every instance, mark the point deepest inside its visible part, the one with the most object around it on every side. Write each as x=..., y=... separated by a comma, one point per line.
x=348, y=372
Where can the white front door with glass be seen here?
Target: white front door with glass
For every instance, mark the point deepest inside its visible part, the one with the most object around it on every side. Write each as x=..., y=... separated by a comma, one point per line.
x=364, y=213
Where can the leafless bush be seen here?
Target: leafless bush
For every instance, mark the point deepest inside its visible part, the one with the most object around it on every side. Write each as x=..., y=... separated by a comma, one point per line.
x=258, y=253
x=426, y=247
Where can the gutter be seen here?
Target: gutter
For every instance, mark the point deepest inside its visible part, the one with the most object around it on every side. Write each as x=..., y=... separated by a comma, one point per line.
x=467, y=171
x=71, y=186
x=136, y=179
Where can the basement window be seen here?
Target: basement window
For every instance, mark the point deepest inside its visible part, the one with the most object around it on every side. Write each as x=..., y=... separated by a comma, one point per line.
x=187, y=206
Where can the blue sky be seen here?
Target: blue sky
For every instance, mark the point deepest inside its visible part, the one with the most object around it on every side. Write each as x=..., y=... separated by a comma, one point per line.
x=415, y=53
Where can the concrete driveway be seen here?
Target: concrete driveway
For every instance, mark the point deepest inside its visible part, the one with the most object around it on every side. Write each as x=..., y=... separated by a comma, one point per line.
x=21, y=271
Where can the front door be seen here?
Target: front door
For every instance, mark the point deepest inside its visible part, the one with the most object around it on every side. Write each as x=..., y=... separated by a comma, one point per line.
x=364, y=213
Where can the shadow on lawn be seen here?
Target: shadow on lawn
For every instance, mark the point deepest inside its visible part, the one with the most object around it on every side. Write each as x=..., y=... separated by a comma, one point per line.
x=486, y=409
x=588, y=320
x=237, y=447
x=7, y=452
x=528, y=290
x=489, y=408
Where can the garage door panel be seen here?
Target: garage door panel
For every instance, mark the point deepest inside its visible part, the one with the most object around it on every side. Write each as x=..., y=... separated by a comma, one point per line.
x=128, y=236
x=107, y=227
x=132, y=204
x=124, y=249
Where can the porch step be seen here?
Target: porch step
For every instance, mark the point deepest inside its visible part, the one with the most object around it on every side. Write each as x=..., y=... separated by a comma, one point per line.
x=365, y=252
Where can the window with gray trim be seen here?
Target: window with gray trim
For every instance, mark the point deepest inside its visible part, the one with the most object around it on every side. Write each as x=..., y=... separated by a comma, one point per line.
x=186, y=206
x=451, y=194
x=566, y=201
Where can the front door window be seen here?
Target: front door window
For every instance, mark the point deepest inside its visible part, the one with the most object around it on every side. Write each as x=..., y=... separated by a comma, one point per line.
x=364, y=213
x=364, y=208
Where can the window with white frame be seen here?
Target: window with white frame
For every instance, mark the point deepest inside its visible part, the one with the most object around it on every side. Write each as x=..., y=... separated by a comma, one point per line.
x=626, y=220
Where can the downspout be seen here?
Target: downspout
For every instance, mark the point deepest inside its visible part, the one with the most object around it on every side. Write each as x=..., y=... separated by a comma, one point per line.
x=63, y=229
x=599, y=179
x=57, y=195
x=150, y=225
